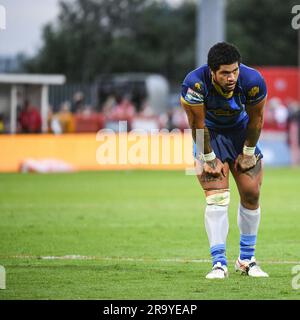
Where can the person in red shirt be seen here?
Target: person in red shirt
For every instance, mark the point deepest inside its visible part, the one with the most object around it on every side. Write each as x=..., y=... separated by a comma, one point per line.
x=30, y=119
x=123, y=110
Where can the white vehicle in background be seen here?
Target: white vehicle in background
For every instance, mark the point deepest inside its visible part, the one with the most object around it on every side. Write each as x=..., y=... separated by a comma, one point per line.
x=146, y=96
x=153, y=88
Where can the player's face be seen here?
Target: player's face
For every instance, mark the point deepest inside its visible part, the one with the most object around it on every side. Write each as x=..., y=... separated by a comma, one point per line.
x=227, y=76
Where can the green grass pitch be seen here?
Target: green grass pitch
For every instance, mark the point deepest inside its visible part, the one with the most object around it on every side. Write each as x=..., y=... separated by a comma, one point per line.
x=142, y=235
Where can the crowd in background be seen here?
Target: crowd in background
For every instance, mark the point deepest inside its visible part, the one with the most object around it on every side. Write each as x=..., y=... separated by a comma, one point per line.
x=76, y=116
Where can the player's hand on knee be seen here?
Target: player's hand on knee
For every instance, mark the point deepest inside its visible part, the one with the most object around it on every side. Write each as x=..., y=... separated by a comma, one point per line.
x=245, y=162
x=215, y=168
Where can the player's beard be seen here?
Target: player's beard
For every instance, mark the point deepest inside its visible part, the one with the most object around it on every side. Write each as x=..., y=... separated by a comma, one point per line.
x=229, y=89
x=224, y=88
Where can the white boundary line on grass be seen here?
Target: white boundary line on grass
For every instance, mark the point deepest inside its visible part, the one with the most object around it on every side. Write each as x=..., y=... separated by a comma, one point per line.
x=179, y=260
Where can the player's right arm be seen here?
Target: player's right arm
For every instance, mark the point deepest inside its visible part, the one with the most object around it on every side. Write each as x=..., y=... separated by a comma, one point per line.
x=196, y=118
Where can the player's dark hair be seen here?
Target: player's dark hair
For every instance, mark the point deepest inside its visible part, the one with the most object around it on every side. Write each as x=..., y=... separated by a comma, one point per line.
x=222, y=53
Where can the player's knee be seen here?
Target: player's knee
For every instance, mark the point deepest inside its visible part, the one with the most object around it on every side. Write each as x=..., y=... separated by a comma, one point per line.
x=219, y=198
x=251, y=197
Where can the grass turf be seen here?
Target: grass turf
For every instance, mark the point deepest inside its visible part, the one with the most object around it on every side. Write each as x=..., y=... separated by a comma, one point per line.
x=135, y=224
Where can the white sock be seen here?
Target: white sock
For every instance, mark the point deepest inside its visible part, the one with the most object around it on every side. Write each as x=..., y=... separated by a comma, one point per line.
x=216, y=224
x=248, y=220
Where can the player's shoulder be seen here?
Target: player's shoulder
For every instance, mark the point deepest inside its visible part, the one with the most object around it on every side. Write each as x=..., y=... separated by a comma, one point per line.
x=194, y=86
x=249, y=76
x=253, y=84
x=197, y=78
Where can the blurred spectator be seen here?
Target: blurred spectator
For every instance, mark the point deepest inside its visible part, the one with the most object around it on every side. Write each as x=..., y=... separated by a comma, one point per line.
x=294, y=131
x=78, y=102
x=30, y=119
x=165, y=120
x=88, y=120
x=280, y=112
x=174, y=118
x=108, y=105
x=50, y=118
x=179, y=119
x=269, y=119
x=2, y=124
x=62, y=121
x=55, y=126
x=123, y=110
x=145, y=119
x=146, y=110
x=293, y=109
x=66, y=118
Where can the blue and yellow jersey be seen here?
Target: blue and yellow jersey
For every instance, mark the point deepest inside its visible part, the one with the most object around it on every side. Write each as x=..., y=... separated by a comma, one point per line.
x=224, y=111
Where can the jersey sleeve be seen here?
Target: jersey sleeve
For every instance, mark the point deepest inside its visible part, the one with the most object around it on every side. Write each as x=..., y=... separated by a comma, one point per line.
x=256, y=89
x=192, y=92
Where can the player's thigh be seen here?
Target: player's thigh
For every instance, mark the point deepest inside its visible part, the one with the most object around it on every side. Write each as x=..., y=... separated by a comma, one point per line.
x=211, y=184
x=249, y=182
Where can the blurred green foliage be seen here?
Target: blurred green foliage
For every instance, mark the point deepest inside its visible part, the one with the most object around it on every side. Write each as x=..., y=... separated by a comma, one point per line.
x=92, y=37
x=262, y=30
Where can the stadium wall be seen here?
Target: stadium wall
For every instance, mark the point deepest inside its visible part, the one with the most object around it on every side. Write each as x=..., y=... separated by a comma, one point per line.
x=104, y=151
x=109, y=151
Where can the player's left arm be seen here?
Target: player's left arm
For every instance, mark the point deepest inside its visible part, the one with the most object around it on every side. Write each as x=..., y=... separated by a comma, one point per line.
x=247, y=159
x=255, y=94
x=255, y=124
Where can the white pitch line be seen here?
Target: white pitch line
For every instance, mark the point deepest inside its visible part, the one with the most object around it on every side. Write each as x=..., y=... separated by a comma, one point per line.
x=179, y=260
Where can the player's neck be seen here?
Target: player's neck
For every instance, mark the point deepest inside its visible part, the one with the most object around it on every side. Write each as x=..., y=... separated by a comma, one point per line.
x=221, y=91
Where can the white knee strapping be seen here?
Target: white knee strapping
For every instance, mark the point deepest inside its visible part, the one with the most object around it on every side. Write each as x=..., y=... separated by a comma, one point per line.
x=219, y=199
x=216, y=217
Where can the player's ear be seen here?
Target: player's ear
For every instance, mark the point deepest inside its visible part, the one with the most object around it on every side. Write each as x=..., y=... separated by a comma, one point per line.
x=213, y=75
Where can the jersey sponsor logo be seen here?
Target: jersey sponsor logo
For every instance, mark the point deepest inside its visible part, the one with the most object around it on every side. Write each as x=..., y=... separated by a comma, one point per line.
x=226, y=113
x=227, y=110
x=253, y=92
x=193, y=96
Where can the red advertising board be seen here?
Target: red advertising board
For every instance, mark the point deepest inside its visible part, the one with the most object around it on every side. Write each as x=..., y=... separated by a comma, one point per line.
x=282, y=82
